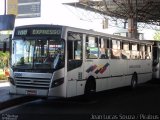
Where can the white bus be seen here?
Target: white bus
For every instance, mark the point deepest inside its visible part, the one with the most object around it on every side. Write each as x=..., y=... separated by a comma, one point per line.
x=52, y=60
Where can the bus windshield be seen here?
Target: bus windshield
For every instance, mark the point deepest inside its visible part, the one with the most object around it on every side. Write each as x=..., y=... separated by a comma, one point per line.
x=37, y=54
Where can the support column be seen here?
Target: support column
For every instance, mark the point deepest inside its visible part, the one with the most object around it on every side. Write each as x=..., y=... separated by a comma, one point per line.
x=5, y=5
x=132, y=28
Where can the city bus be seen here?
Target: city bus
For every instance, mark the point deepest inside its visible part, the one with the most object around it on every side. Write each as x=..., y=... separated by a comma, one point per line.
x=62, y=61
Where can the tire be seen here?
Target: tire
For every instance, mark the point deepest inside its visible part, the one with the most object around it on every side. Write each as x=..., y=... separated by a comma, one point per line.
x=134, y=81
x=90, y=86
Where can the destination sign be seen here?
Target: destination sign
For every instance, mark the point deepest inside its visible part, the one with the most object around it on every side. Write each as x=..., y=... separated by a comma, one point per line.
x=30, y=32
x=46, y=32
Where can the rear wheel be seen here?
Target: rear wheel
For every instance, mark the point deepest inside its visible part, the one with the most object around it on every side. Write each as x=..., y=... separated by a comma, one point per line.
x=134, y=81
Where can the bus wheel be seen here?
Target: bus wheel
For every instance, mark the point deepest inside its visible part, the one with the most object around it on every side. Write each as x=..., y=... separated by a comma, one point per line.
x=134, y=81
x=90, y=86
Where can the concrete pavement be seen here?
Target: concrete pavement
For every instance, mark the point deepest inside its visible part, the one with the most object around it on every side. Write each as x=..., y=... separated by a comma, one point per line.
x=8, y=100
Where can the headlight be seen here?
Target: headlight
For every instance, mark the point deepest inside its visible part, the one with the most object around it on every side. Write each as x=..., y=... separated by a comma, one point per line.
x=57, y=82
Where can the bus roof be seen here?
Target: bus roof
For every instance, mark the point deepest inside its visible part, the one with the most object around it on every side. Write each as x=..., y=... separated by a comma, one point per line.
x=80, y=30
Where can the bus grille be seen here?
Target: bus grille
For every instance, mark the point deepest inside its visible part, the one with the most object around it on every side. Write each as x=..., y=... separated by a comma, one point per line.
x=32, y=82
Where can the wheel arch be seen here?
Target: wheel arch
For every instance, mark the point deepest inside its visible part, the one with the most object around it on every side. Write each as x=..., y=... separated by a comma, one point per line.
x=91, y=82
x=134, y=80
x=135, y=74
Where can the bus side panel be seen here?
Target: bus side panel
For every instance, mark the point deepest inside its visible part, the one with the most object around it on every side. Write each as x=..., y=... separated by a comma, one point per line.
x=127, y=75
x=142, y=68
x=118, y=69
x=134, y=66
x=71, y=88
x=146, y=71
x=76, y=83
x=80, y=87
x=102, y=74
x=100, y=70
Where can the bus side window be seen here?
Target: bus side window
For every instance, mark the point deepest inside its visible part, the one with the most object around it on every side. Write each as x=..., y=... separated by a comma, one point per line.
x=125, y=50
x=74, y=50
x=134, y=51
x=142, y=52
x=92, y=51
x=103, y=48
x=148, y=52
x=116, y=49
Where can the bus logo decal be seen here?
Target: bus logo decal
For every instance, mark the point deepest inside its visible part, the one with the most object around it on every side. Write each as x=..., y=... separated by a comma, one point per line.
x=102, y=69
x=98, y=70
x=91, y=68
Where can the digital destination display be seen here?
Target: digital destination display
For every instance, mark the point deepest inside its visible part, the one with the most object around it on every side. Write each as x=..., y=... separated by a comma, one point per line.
x=30, y=32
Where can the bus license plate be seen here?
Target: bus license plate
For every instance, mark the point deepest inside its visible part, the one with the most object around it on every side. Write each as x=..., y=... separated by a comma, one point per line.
x=31, y=92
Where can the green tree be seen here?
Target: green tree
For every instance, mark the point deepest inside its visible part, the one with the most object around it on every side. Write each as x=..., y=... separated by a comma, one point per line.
x=4, y=59
x=157, y=36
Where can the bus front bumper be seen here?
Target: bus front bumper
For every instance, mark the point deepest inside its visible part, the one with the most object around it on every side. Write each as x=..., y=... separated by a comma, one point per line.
x=29, y=92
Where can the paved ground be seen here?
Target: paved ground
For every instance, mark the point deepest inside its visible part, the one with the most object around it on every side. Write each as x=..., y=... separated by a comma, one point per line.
x=4, y=91
x=7, y=100
x=124, y=103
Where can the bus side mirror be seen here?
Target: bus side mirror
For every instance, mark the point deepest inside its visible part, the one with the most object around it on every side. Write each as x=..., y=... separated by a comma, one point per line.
x=4, y=47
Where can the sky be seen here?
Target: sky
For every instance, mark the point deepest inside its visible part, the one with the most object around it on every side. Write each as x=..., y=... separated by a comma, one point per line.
x=54, y=12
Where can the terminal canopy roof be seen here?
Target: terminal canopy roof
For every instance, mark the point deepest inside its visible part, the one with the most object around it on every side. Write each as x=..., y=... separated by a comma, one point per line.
x=146, y=11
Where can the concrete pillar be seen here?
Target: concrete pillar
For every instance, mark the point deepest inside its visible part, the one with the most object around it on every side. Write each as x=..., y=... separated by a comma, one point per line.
x=132, y=28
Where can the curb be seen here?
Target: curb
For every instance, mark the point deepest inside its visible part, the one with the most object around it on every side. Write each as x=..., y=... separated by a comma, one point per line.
x=2, y=81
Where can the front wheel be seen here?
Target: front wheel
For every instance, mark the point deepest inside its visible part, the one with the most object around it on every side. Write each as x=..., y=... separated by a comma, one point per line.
x=90, y=86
